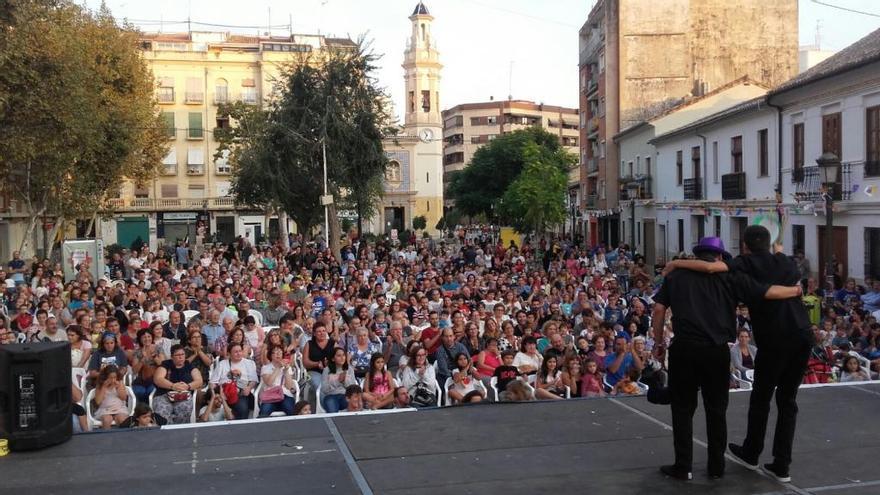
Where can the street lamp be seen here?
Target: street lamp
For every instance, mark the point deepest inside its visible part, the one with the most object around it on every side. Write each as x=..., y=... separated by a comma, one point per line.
x=829, y=167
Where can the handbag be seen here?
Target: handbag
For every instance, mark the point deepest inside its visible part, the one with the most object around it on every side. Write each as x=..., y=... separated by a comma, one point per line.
x=424, y=397
x=230, y=391
x=272, y=395
x=174, y=396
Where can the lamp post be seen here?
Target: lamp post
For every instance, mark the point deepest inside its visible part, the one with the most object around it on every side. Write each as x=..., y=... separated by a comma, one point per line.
x=829, y=167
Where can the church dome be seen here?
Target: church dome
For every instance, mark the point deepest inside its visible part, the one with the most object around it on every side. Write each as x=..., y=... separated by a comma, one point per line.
x=421, y=9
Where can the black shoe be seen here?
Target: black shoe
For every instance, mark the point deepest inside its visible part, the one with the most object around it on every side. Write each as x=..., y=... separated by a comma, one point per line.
x=716, y=474
x=780, y=473
x=676, y=472
x=740, y=453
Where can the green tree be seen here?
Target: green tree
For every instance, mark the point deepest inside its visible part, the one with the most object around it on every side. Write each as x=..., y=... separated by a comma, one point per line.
x=478, y=188
x=536, y=199
x=331, y=100
x=77, y=110
x=490, y=185
x=419, y=222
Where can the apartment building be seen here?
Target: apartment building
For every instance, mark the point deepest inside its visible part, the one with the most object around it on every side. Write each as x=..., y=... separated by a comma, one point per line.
x=639, y=58
x=469, y=126
x=196, y=72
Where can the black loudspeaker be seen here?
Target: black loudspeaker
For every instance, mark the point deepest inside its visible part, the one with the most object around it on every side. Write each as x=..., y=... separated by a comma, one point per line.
x=35, y=394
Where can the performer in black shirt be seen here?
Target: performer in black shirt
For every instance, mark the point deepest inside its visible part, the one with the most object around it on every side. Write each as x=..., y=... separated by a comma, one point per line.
x=703, y=307
x=782, y=335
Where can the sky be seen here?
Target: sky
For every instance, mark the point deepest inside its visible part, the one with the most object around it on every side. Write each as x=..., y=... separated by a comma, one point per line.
x=489, y=48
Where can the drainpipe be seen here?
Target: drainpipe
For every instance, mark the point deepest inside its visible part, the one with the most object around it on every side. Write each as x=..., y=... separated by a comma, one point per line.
x=705, y=170
x=778, y=151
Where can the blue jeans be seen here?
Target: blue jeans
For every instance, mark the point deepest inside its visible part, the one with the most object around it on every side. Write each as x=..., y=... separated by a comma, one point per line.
x=241, y=408
x=334, y=403
x=142, y=391
x=285, y=406
x=314, y=384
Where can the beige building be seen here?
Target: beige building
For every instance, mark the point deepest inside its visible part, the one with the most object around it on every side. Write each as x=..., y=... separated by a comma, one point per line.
x=639, y=58
x=195, y=73
x=469, y=126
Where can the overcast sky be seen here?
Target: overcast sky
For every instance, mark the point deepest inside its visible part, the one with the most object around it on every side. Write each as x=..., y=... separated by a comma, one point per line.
x=478, y=39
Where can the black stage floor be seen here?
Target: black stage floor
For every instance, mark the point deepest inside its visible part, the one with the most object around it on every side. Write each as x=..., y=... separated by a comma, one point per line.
x=576, y=446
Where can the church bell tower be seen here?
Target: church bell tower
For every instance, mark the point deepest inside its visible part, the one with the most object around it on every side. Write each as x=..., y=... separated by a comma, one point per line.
x=421, y=63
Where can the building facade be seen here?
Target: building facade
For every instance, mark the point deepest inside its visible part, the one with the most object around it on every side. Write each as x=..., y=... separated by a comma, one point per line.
x=414, y=177
x=755, y=162
x=639, y=58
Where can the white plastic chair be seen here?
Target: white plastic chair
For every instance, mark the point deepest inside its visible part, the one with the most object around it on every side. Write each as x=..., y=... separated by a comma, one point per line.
x=750, y=375
x=741, y=384
x=188, y=315
x=493, y=387
x=131, y=402
x=864, y=363
x=319, y=409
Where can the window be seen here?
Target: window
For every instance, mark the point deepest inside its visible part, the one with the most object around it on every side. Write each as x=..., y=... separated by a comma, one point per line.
x=491, y=120
x=736, y=154
x=392, y=173
x=638, y=165
x=169, y=190
x=221, y=92
x=763, y=158
x=412, y=101
x=798, y=236
x=602, y=189
x=831, y=139
x=195, y=161
x=630, y=170
x=872, y=142
x=168, y=122
x=798, y=151
x=695, y=162
x=648, y=166
x=456, y=121
x=426, y=101
x=453, y=158
x=715, y=162
x=223, y=122
x=195, y=130
x=678, y=167
x=717, y=226
x=169, y=163
x=428, y=205
x=427, y=177
x=196, y=191
x=194, y=92
x=249, y=95
x=166, y=90
x=141, y=192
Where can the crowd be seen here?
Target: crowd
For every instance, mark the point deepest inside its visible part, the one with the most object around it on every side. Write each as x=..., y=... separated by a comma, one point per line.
x=223, y=332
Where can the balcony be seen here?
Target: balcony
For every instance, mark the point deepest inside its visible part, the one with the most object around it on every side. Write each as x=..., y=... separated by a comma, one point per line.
x=221, y=96
x=733, y=186
x=592, y=200
x=159, y=204
x=810, y=187
x=593, y=125
x=165, y=96
x=592, y=165
x=693, y=189
x=194, y=98
x=638, y=187
x=169, y=169
x=195, y=169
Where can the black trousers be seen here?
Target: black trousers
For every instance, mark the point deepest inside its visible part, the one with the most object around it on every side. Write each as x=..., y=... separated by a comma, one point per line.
x=780, y=369
x=707, y=369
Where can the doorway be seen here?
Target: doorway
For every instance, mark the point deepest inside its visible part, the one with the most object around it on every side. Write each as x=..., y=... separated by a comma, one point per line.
x=664, y=247
x=225, y=229
x=648, y=236
x=839, y=247
x=394, y=219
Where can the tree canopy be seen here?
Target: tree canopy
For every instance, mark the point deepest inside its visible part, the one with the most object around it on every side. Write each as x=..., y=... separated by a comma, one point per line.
x=77, y=109
x=519, y=178
x=327, y=98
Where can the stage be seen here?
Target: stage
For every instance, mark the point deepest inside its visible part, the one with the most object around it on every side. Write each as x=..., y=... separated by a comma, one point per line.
x=579, y=446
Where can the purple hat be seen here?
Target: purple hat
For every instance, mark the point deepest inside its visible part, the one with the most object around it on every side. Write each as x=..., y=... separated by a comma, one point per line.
x=712, y=245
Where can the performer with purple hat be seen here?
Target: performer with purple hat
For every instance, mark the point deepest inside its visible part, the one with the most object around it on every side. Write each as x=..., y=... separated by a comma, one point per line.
x=703, y=307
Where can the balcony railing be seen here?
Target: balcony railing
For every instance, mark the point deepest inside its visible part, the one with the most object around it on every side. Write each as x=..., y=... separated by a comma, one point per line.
x=195, y=169
x=638, y=187
x=797, y=174
x=592, y=200
x=169, y=169
x=733, y=186
x=152, y=204
x=194, y=97
x=166, y=97
x=693, y=189
x=221, y=96
x=592, y=165
x=810, y=188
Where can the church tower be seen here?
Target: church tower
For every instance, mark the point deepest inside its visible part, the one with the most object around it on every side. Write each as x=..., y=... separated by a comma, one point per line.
x=421, y=63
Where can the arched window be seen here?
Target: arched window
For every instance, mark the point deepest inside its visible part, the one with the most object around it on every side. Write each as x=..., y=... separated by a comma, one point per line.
x=392, y=172
x=423, y=32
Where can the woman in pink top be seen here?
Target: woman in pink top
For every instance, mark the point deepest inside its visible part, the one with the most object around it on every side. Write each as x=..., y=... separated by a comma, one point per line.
x=378, y=386
x=488, y=359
